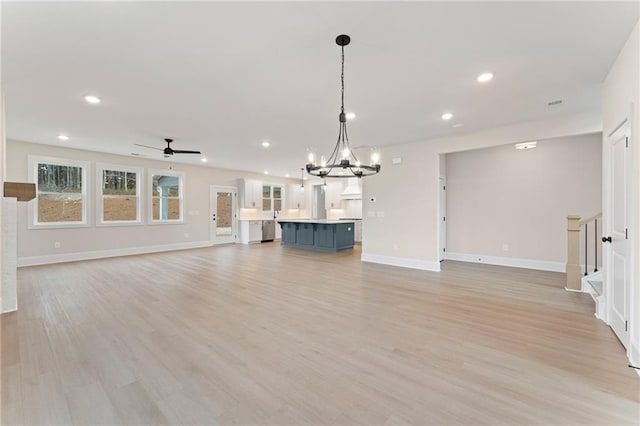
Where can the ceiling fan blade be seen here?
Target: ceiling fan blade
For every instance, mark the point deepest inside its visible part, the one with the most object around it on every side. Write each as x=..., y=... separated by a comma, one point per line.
x=147, y=146
x=179, y=151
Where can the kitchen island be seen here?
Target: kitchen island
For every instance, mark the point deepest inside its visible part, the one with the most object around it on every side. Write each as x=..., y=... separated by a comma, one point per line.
x=320, y=234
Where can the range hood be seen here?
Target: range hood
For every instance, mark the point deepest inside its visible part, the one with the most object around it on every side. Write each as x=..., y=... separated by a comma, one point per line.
x=352, y=191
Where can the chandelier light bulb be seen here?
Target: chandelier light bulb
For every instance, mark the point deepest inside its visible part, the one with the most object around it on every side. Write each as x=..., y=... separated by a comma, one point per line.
x=345, y=153
x=375, y=158
x=323, y=162
x=311, y=158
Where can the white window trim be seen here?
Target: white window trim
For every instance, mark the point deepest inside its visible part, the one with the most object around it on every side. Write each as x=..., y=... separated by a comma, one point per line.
x=33, y=178
x=100, y=167
x=182, y=180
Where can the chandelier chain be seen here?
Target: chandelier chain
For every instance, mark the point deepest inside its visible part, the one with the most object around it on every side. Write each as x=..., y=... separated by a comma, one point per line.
x=342, y=81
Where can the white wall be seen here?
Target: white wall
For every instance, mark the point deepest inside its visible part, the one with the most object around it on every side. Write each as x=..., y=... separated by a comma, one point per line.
x=402, y=225
x=621, y=91
x=520, y=198
x=36, y=245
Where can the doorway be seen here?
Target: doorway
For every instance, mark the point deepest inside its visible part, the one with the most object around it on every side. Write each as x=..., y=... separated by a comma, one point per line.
x=618, y=274
x=223, y=218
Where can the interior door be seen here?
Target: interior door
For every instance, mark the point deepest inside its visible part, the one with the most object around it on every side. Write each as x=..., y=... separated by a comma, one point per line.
x=223, y=218
x=618, y=272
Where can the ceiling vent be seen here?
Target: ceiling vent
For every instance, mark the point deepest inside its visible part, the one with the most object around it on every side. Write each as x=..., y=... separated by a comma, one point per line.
x=554, y=103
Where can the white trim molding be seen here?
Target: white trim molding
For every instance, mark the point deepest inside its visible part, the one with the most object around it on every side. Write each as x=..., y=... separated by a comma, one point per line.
x=542, y=265
x=402, y=262
x=101, y=254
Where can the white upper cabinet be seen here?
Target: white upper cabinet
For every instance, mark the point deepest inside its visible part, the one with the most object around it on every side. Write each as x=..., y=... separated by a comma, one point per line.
x=251, y=197
x=295, y=197
x=332, y=196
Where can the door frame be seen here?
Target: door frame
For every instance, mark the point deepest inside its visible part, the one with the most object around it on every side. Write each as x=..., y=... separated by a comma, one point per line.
x=442, y=214
x=625, y=127
x=213, y=190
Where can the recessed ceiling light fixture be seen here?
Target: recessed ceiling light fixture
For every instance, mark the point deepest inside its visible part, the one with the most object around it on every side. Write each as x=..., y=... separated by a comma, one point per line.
x=63, y=137
x=342, y=158
x=92, y=99
x=204, y=159
x=266, y=144
x=447, y=116
x=351, y=115
x=266, y=172
x=526, y=145
x=484, y=77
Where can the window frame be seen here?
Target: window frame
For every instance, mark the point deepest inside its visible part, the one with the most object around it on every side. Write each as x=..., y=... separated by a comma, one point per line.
x=34, y=160
x=181, y=185
x=139, y=171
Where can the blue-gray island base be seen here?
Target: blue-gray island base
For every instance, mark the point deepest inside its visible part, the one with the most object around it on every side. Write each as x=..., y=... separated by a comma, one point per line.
x=326, y=235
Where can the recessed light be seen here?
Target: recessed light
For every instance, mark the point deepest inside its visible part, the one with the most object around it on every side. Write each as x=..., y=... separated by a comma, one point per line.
x=92, y=99
x=526, y=145
x=351, y=115
x=204, y=159
x=266, y=144
x=286, y=175
x=266, y=172
x=484, y=77
x=63, y=137
x=447, y=116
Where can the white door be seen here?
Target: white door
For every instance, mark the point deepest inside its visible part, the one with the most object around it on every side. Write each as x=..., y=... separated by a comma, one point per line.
x=442, y=246
x=223, y=218
x=619, y=264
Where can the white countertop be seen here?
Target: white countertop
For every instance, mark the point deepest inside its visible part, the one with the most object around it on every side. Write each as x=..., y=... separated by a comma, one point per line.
x=327, y=221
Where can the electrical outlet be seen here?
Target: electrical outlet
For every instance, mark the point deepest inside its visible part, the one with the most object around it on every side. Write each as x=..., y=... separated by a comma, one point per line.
x=56, y=244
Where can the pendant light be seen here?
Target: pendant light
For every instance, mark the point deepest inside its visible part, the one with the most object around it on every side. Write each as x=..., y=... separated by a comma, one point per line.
x=342, y=163
x=302, y=179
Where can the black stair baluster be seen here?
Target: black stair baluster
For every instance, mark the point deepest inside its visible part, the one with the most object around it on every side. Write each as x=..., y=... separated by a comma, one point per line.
x=595, y=236
x=586, y=243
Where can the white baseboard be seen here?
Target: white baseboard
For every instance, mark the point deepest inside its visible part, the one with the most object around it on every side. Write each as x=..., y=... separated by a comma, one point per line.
x=403, y=262
x=634, y=355
x=99, y=254
x=541, y=265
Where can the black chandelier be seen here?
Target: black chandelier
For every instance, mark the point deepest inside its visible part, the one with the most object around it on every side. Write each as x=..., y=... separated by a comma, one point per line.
x=343, y=163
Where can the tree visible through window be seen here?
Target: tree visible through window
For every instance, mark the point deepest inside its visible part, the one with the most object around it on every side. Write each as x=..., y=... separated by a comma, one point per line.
x=60, y=193
x=120, y=198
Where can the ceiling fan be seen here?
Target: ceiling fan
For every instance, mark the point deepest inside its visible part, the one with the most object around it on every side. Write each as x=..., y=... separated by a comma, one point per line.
x=168, y=150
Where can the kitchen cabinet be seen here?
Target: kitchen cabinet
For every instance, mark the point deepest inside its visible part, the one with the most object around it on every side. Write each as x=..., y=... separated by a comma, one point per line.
x=250, y=231
x=295, y=197
x=251, y=194
x=289, y=233
x=306, y=234
x=321, y=235
x=332, y=197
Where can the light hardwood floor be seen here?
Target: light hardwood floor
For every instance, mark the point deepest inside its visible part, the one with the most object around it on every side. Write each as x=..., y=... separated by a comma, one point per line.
x=269, y=335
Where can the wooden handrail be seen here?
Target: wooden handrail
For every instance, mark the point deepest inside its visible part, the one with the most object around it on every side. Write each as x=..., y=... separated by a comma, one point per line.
x=590, y=219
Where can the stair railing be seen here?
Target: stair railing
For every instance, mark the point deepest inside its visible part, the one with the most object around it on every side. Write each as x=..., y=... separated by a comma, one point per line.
x=575, y=225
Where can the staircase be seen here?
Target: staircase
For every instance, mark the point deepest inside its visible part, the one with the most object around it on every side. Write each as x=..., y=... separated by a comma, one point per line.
x=583, y=243
x=593, y=284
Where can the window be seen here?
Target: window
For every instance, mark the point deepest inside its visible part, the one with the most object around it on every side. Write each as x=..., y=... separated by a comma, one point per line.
x=61, y=192
x=271, y=198
x=118, y=194
x=167, y=198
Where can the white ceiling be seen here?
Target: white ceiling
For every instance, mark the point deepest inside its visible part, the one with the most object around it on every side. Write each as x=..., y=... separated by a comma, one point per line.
x=222, y=77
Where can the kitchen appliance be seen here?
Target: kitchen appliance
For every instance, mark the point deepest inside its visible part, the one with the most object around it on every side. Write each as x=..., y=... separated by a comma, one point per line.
x=268, y=230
